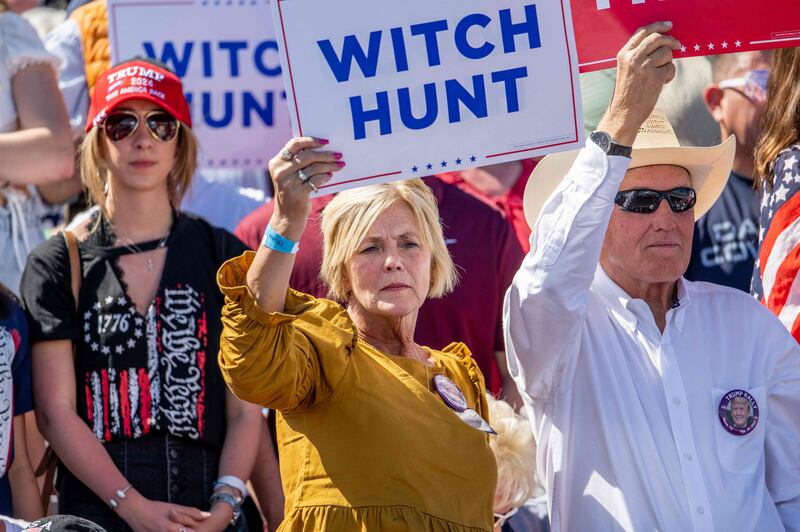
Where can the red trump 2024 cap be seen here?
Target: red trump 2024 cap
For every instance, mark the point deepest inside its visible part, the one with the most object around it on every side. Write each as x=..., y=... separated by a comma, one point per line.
x=137, y=80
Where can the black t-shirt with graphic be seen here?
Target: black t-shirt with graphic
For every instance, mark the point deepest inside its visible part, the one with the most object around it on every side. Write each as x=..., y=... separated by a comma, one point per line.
x=137, y=374
x=725, y=241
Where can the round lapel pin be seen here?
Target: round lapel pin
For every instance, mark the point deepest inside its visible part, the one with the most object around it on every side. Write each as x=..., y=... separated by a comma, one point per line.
x=450, y=393
x=738, y=412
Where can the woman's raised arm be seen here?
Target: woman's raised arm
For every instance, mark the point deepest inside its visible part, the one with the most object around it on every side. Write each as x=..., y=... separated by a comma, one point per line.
x=296, y=172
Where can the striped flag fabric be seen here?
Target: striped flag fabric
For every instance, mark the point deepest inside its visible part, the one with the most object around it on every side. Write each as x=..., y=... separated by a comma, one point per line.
x=776, y=277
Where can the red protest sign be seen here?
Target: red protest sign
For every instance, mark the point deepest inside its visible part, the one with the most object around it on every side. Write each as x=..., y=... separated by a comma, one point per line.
x=704, y=27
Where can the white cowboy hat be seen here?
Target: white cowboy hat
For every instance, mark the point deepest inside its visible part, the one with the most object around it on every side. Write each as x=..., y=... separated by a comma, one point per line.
x=656, y=143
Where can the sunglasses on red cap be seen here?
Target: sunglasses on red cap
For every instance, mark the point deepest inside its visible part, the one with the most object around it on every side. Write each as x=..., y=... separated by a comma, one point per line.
x=161, y=125
x=646, y=201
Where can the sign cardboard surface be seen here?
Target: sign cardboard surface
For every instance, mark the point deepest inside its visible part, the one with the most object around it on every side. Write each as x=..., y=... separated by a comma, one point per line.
x=226, y=54
x=413, y=88
x=704, y=27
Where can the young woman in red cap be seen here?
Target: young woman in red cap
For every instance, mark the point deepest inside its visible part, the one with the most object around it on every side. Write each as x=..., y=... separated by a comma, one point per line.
x=139, y=414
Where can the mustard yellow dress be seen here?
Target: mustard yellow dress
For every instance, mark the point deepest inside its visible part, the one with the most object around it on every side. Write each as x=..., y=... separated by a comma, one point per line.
x=365, y=442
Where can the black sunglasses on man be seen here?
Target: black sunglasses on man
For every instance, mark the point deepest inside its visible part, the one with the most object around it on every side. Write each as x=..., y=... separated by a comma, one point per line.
x=646, y=201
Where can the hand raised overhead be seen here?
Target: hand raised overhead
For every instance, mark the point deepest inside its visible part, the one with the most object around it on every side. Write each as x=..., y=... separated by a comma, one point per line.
x=297, y=171
x=644, y=66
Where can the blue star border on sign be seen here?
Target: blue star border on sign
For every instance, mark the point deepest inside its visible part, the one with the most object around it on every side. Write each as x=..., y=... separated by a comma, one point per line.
x=443, y=164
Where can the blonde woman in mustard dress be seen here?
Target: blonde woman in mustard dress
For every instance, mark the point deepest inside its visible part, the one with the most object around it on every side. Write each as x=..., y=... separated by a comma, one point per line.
x=375, y=432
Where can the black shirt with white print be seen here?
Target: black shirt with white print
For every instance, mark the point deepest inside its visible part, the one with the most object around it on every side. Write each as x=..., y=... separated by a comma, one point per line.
x=135, y=373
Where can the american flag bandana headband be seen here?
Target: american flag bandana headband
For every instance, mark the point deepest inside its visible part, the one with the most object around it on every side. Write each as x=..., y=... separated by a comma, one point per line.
x=753, y=84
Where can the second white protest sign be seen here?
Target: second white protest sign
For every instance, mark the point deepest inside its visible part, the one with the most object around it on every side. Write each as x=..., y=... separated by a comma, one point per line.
x=226, y=54
x=412, y=88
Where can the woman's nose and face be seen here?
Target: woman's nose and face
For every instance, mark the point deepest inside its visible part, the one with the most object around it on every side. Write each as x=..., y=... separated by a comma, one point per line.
x=139, y=161
x=389, y=273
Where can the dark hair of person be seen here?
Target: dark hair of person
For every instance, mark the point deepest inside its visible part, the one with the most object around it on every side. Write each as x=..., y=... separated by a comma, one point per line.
x=6, y=299
x=781, y=123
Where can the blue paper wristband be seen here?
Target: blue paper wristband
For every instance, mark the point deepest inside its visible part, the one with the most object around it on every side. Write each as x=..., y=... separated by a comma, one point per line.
x=277, y=242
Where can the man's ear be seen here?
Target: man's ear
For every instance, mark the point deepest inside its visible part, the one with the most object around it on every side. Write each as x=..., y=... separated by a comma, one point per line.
x=712, y=96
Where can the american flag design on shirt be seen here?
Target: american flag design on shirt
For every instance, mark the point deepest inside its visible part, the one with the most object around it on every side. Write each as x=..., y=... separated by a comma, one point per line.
x=169, y=393
x=776, y=277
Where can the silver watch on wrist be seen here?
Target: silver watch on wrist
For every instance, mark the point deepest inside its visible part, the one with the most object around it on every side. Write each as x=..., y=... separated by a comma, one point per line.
x=607, y=144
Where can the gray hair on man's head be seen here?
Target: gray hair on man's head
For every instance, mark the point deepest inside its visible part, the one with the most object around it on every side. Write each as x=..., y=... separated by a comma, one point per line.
x=731, y=65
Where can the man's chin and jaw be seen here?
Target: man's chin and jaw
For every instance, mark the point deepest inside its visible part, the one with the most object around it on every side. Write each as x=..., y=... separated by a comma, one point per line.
x=639, y=268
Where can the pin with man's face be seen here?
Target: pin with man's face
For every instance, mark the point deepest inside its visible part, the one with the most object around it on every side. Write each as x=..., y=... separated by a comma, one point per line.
x=738, y=412
x=450, y=393
x=453, y=397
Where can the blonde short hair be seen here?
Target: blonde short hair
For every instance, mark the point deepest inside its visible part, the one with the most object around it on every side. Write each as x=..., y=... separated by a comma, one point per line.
x=94, y=169
x=515, y=452
x=349, y=216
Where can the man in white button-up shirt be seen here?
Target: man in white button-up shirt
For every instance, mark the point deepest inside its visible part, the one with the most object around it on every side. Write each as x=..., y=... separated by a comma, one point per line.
x=630, y=372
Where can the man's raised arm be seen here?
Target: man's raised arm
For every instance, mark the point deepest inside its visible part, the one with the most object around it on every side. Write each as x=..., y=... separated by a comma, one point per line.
x=546, y=304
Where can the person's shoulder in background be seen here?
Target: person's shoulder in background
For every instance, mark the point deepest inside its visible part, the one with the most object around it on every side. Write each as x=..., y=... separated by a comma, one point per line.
x=251, y=228
x=221, y=204
x=45, y=19
x=466, y=217
x=223, y=242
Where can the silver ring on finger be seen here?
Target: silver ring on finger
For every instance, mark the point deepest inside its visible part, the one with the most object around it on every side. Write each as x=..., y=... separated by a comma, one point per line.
x=287, y=156
x=181, y=529
x=303, y=176
x=310, y=183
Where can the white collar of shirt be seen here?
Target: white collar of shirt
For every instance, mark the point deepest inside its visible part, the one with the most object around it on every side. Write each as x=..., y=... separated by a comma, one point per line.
x=630, y=311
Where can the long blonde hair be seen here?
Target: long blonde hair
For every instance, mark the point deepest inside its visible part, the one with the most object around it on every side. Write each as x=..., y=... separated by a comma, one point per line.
x=94, y=170
x=781, y=122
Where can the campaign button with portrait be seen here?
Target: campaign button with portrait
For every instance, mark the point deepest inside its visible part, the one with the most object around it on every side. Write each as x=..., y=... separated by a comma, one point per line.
x=738, y=412
x=450, y=393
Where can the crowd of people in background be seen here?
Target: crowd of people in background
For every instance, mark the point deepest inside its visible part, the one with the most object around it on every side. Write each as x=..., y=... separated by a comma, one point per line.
x=182, y=349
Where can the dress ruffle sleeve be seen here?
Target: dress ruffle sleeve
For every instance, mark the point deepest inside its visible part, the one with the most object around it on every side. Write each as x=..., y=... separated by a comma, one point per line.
x=290, y=360
x=464, y=358
x=22, y=46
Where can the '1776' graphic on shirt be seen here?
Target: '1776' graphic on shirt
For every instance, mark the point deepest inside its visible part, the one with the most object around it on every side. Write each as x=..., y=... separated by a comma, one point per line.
x=703, y=27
